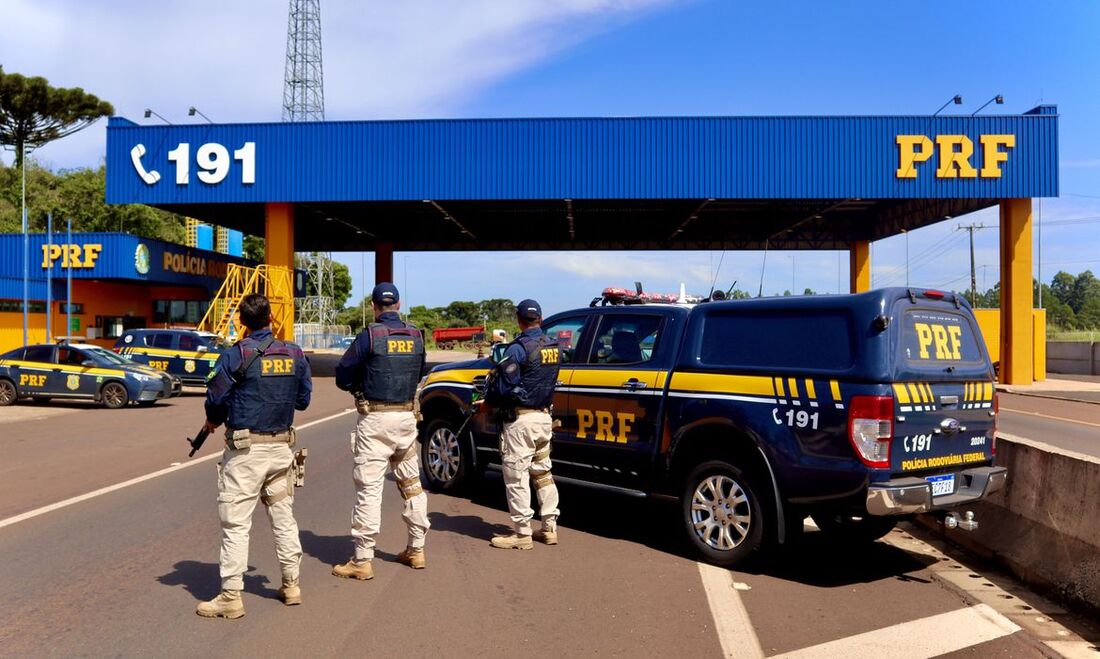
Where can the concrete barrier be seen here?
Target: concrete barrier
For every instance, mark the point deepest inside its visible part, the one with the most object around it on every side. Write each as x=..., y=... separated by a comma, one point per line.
x=1073, y=357
x=1045, y=525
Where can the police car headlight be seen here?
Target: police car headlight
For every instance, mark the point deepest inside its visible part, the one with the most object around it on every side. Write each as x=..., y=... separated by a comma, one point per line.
x=147, y=379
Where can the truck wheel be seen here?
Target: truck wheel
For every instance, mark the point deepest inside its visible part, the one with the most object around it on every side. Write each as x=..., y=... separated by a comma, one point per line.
x=853, y=529
x=445, y=457
x=8, y=393
x=114, y=395
x=722, y=512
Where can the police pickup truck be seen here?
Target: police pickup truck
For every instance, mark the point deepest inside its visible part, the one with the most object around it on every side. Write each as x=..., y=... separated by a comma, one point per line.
x=855, y=410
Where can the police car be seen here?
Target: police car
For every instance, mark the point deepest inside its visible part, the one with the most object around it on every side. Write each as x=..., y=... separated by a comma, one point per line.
x=187, y=354
x=79, y=371
x=855, y=410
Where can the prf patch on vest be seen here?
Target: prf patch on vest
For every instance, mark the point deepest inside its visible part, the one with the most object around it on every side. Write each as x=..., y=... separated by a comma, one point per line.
x=400, y=346
x=272, y=366
x=549, y=355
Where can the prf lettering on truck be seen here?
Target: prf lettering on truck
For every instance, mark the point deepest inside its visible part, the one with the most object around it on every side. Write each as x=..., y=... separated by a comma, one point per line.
x=946, y=340
x=954, y=155
x=608, y=427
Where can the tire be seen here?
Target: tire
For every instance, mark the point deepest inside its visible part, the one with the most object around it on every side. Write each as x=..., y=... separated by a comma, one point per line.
x=853, y=529
x=722, y=511
x=114, y=395
x=8, y=393
x=445, y=458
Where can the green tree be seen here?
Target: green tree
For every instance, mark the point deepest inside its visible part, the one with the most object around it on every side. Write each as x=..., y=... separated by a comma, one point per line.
x=254, y=248
x=462, y=314
x=1062, y=287
x=1085, y=289
x=353, y=316
x=1088, y=317
x=33, y=113
x=499, y=310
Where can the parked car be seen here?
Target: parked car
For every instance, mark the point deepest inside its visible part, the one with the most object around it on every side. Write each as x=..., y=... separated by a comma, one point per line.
x=343, y=343
x=855, y=410
x=79, y=371
x=187, y=354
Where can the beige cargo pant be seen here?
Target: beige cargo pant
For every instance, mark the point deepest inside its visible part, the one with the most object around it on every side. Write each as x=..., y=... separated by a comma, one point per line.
x=244, y=477
x=525, y=454
x=386, y=440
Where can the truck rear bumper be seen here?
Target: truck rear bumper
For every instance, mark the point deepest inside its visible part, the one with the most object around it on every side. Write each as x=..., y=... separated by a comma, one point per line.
x=905, y=496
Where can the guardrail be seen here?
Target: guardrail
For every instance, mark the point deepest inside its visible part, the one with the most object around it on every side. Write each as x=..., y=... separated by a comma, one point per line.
x=1045, y=525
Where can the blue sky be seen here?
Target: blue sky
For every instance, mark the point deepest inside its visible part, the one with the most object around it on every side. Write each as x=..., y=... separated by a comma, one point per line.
x=485, y=58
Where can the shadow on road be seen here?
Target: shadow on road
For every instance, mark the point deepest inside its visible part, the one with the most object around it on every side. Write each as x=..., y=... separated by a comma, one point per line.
x=202, y=581
x=812, y=558
x=334, y=549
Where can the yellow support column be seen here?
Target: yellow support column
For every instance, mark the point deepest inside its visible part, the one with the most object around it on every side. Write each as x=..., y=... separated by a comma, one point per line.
x=279, y=251
x=859, y=266
x=1017, y=330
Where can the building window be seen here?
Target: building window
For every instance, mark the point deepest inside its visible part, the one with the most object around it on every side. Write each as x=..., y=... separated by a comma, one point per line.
x=77, y=307
x=188, y=312
x=16, y=306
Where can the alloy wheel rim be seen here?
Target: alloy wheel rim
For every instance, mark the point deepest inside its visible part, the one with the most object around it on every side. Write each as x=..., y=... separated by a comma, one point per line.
x=113, y=395
x=443, y=455
x=720, y=512
x=7, y=392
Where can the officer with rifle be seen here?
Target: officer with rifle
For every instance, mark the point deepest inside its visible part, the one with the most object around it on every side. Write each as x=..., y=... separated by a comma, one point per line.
x=381, y=369
x=522, y=392
x=254, y=390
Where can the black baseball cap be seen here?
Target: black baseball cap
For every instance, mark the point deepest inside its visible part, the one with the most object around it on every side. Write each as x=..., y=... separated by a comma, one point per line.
x=384, y=294
x=529, y=310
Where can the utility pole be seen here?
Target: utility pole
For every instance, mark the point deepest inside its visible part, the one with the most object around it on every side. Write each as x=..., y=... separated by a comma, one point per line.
x=971, y=228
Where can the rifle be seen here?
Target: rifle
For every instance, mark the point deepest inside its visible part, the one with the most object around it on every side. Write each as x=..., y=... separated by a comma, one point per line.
x=197, y=442
x=476, y=400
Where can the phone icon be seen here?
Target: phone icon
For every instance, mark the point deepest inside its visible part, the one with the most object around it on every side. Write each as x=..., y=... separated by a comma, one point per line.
x=150, y=177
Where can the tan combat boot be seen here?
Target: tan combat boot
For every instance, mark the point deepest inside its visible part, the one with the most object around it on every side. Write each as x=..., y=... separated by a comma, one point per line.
x=413, y=557
x=546, y=536
x=512, y=541
x=291, y=592
x=227, y=604
x=354, y=570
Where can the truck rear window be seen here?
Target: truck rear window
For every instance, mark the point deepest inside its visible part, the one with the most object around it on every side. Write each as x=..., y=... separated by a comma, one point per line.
x=938, y=338
x=778, y=339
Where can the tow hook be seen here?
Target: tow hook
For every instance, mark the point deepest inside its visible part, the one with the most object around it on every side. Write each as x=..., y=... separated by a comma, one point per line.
x=966, y=523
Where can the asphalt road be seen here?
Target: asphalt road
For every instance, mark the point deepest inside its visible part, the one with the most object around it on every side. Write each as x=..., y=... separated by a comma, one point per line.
x=119, y=573
x=1070, y=425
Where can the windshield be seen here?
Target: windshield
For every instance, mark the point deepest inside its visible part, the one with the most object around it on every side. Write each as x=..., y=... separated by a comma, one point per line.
x=106, y=356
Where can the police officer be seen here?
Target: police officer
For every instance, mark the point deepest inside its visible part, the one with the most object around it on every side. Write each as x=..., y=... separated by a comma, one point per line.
x=254, y=389
x=522, y=392
x=382, y=368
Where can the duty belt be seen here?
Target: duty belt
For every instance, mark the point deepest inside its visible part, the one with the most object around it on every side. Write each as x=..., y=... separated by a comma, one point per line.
x=379, y=406
x=532, y=410
x=276, y=437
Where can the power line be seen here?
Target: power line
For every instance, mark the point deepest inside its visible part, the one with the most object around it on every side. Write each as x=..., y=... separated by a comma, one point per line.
x=971, y=228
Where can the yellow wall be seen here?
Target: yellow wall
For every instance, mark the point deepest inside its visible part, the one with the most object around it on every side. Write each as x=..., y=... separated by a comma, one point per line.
x=989, y=321
x=859, y=266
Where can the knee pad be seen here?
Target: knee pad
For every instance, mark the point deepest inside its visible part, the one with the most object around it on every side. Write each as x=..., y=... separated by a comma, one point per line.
x=410, y=487
x=542, y=479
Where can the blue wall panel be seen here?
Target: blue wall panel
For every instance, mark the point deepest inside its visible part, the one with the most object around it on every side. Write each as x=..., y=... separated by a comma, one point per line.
x=520, y=159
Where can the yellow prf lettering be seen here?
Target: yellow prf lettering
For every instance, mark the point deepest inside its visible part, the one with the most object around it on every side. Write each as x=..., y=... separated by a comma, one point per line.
x=549, y=355
x=954, y=154
x=992, y=156
x=911, y=150
x=609, y=427
x=955, y=332
x=940, y=335
x=70, y=255
x=398, y=345
x=924, y=338
x=28, y=380
x=159, y=365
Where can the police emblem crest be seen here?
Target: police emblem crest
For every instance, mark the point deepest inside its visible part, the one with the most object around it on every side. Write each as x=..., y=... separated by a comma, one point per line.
x=189, y=366
x=73, y=382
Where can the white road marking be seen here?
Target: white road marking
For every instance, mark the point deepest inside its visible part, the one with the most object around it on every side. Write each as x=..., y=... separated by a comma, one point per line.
x=926, y=637
x=731, y=620
x=1047, y=416
x=134, y=481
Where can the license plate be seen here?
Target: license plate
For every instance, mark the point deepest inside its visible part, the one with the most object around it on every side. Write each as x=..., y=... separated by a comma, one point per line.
x=942, y=485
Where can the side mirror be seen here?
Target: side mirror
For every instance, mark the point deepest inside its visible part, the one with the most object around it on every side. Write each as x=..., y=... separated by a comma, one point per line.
x=497, y=356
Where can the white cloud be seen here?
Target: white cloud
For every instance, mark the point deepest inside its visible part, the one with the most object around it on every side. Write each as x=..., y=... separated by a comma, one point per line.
x=382, y=59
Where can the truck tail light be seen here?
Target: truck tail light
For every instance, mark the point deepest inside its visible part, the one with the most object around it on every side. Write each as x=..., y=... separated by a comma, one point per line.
x=871, y=429
x=996, y=413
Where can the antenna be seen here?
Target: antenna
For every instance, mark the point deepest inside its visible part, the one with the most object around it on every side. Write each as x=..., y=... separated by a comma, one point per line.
x=304, y=80
x=718, y=270
x=760, y=291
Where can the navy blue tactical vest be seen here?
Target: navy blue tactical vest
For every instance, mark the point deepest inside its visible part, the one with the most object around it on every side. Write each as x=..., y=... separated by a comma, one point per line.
x=539, y=372
x=263, y=400
x=393, y=369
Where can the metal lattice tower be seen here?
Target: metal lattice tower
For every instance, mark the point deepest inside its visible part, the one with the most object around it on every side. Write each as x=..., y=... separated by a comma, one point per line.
x=304, y=80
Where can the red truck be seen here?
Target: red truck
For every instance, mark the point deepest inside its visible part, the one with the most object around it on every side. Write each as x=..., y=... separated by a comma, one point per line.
x=447, y=338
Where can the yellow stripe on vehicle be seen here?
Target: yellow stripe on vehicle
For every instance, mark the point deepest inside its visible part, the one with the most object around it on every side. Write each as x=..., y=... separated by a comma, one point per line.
x=753, y=385
x=456, y=375
x=988, y=391
x=600, y=377
x=779, y=390
x=915, y=393
x=834, y=387
x=182, y=354
x=901, y=393
x=793, y=387
x=966, y=391
x=62, y=368
x=810, y=391
x=928, y=390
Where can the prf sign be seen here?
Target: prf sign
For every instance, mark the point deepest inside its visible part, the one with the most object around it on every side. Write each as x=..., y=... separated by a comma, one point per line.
x=954, y=155
x=72, y=256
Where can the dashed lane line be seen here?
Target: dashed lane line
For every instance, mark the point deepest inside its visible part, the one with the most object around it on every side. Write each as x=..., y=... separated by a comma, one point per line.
x=134, y=481
x=926, y=637
x=731, y=619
